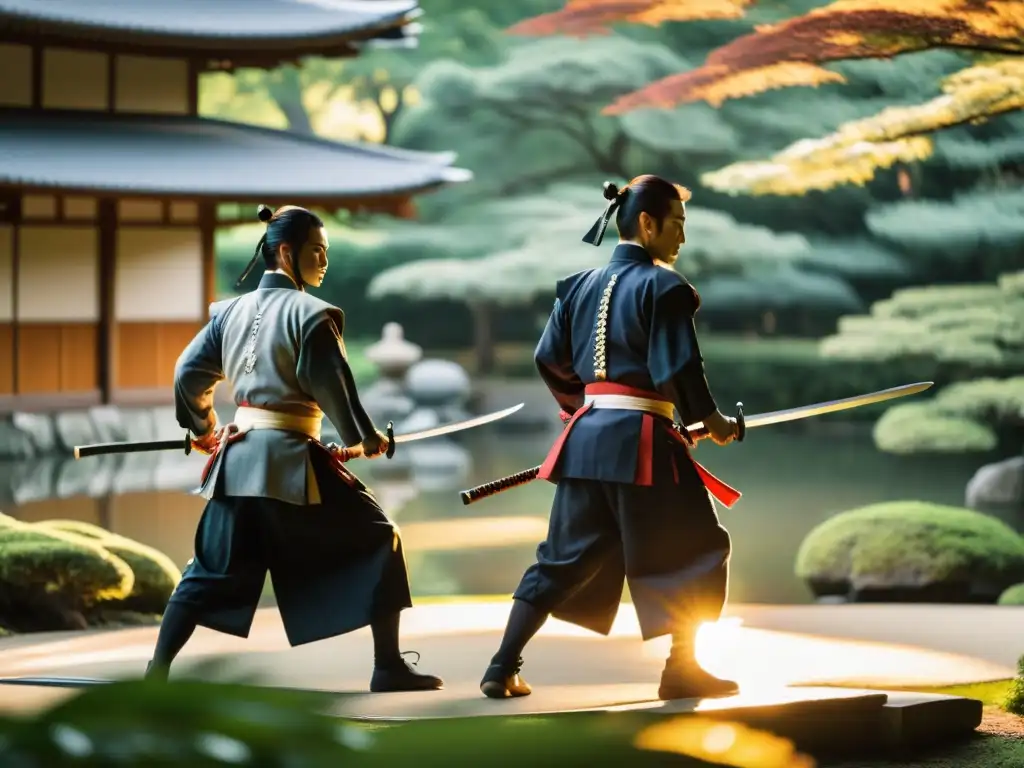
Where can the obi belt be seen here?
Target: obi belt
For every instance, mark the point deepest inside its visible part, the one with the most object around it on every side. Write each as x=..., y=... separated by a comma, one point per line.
x=605, y=394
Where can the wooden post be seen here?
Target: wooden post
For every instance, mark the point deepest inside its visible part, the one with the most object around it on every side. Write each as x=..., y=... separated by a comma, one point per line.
x=14, y=218
x=208, y=230
x=106, y=347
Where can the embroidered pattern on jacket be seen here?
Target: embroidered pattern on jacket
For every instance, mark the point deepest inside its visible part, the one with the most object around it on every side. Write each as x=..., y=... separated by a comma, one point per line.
x=600, y=363
x=250, y=346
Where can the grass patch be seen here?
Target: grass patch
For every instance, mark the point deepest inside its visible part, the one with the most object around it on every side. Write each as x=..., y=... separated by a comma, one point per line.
x=992, y=694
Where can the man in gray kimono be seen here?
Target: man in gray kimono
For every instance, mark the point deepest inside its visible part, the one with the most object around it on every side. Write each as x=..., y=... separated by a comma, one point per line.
x=279, y=500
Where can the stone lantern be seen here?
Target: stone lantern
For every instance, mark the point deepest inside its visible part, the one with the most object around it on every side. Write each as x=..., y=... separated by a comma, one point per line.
x=393, y=354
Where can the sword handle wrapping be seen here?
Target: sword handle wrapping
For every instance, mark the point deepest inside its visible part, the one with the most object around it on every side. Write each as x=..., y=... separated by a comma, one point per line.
x=499, y=485
x=102, y=449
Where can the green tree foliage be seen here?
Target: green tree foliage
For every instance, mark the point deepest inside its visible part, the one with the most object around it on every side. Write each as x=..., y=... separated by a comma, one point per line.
x=969, y=416
x=964, y=328
x=361, y=97
x=534, y=114
x=958, y=332
x=543, y=242
x=977, y=235
x=524, y=114
x=855, y=259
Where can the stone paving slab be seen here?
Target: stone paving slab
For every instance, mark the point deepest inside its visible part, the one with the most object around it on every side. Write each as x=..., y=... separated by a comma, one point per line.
x=457, y=640
x=914, y=719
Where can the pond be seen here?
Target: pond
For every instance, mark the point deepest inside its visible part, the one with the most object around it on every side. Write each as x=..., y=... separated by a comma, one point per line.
x=791, y=481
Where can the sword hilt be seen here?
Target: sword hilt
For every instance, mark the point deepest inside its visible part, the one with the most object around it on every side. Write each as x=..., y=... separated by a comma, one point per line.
x=499, y=485
x=703, y=431
x=391, y=440
x=101, y=449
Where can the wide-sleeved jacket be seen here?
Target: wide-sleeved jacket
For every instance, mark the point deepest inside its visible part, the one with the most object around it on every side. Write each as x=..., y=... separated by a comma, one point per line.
x=281, y=349
x=629, y=323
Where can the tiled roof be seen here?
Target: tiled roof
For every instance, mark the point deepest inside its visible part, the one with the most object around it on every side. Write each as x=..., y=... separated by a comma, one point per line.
x=93, y=152
x=220, y=28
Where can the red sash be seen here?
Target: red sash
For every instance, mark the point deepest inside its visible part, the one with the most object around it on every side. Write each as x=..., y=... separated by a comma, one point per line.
x=726, y=494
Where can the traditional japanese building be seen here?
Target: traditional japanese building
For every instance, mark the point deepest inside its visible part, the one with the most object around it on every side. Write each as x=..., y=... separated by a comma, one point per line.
x=109, y=178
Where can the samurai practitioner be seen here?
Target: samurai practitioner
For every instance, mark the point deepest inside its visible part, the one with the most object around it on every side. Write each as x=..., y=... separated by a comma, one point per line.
x=618, y=354
x=278, y=499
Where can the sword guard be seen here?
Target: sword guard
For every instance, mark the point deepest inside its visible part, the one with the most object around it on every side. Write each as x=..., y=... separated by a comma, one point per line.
x=391, y=440
x=741, y=423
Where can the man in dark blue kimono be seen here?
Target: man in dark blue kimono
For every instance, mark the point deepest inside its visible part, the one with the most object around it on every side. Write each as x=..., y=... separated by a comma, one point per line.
x=619, y=354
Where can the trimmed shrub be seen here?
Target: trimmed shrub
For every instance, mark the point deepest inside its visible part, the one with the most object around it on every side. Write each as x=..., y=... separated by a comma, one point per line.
x=1013, y=596
x=51, y=580
x=156, y=575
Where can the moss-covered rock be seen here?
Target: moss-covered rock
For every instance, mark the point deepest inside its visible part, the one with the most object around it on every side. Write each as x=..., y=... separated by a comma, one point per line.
x=156, y=575
x=49, y=579
x=1013, y=596
x=912, y=551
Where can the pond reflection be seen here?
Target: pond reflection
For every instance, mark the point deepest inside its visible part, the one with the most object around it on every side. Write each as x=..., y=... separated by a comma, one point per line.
x=791, y=481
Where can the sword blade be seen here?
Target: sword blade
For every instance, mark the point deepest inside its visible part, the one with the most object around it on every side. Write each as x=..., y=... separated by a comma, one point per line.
x=458, y=426
x=830, y=406
x=696, y=429
x=185, y=445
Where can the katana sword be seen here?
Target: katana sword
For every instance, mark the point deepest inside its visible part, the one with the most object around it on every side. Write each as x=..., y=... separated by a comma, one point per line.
x=99, y=449
x=697, y=431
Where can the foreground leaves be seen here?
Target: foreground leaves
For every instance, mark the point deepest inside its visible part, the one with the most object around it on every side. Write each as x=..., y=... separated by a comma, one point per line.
x=202, y=725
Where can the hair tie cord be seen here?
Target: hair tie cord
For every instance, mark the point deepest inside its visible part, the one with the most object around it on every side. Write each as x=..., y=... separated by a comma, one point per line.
x=252, y=261
x=596, y=233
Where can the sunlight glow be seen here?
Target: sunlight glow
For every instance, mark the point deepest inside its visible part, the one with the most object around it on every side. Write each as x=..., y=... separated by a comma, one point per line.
x=723, y=743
